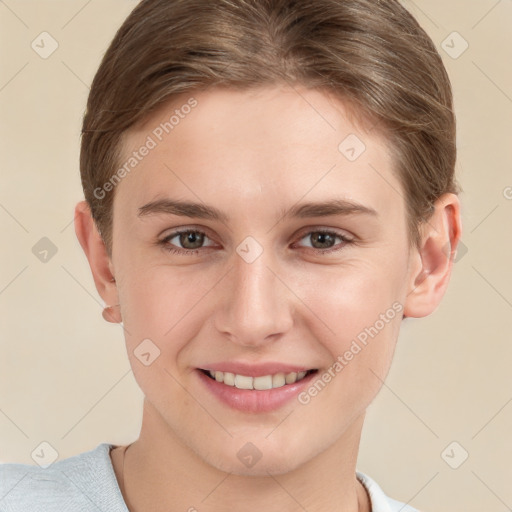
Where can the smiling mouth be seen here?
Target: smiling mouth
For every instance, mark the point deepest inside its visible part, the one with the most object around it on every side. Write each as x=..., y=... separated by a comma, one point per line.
x=263, y=382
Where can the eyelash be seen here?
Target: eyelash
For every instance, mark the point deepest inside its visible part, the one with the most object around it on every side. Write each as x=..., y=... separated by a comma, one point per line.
x=165, y=242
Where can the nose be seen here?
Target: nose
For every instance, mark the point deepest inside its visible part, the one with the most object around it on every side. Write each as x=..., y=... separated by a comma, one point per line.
x=255, y=305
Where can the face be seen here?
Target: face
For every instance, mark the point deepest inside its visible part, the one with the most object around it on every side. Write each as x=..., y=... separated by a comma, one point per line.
x=304, y=266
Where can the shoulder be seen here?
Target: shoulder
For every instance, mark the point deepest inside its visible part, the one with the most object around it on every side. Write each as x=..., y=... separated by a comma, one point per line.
x=381, y=502
x=80, y=483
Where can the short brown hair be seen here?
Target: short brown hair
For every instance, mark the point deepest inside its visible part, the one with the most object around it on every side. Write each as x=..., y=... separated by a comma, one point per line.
x=371, y=54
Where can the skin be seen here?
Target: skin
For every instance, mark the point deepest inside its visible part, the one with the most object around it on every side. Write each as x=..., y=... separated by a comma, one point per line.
x=253, y=155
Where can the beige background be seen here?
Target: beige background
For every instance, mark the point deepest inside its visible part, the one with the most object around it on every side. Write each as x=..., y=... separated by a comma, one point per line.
x=64, y=373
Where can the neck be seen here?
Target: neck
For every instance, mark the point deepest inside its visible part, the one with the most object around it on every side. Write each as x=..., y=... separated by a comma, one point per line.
x=158, y=468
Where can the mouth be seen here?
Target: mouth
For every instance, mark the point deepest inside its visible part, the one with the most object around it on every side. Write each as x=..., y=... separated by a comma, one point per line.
x=261, y=393
x=260, y=383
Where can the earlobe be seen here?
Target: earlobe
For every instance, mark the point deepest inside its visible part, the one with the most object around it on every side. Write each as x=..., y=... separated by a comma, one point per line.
x=99, y=260
x=433, y=262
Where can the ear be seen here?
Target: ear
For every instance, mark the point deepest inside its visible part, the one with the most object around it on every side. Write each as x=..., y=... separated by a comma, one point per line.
x=101, y=265
x=431, y=265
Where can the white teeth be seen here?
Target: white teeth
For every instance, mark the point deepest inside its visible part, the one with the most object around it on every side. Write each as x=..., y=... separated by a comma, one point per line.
x=291, y=378
x=264, y=382
x=241, y=381
x=229, y=378
x=278, y=380
x=260, y=383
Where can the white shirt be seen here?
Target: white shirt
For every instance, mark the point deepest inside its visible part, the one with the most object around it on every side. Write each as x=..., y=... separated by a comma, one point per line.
x=87, y=483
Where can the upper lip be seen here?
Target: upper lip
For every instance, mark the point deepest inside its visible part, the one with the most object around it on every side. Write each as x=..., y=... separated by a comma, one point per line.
x=255, y=369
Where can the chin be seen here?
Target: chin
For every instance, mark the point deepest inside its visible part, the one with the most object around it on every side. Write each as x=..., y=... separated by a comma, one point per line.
x=264, y=467
x=248, y=460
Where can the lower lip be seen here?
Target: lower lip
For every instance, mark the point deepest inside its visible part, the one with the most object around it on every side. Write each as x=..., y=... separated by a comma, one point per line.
x=251, y=400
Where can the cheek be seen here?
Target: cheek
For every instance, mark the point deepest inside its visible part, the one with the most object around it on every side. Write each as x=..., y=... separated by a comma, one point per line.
x=164, y=305
x=356, y=316
x=352, y=297
x=159, y=320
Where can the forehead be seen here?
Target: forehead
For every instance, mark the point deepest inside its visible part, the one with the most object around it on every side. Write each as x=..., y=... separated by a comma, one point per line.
x=279, y=143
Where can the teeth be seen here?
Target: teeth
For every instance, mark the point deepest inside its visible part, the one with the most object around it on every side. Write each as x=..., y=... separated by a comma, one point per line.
x=291, y=378
x=229, y=378
x=278, y=380
x=261, y=383
x=241, y=381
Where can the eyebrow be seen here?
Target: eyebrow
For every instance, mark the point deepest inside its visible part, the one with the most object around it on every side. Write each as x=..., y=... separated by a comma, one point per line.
x=190, y=209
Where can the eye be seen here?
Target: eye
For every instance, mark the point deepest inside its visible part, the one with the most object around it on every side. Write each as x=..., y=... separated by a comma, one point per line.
x=323, y=241
x=191, y=241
